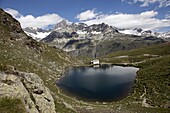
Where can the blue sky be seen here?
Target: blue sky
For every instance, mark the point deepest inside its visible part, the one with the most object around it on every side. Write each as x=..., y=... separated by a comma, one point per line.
x=147, y=14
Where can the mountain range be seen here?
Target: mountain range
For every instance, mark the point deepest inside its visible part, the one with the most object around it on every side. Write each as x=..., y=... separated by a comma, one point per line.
x=81, y=28
x=95, y=40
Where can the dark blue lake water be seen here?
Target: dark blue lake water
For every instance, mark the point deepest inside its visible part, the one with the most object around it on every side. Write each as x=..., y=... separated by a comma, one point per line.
x=105, y=83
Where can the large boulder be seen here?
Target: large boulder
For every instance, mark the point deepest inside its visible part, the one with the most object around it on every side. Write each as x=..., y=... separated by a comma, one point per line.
x=30, y=89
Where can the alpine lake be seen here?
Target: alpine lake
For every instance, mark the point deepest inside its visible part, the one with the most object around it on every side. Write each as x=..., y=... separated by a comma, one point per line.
x=104, y=83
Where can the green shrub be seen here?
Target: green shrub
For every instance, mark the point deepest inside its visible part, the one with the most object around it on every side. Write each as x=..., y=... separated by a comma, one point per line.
x=11, y=105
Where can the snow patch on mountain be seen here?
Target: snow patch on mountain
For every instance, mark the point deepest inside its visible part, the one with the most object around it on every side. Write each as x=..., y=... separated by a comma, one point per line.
x=95, y=32
x=165, y=36
x=130, y=32
x=81, y=32
x=38, y=35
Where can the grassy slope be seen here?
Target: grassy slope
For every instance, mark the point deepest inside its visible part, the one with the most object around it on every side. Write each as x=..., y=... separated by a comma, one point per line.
x=25, y=54
x=137, y=55
x=153, y=78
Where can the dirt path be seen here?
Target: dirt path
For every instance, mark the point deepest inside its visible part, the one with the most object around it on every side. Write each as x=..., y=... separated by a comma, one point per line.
x=144, y=104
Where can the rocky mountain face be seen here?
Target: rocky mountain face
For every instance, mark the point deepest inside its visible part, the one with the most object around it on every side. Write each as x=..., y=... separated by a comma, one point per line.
x=95, y=40
x=31, y=59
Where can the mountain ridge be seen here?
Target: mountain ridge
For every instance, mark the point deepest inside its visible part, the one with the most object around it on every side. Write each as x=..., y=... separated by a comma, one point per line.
x=66, y=26
x=95, y=40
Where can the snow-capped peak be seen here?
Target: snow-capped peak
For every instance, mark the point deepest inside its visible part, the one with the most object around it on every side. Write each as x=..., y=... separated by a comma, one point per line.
x=137, y=31
x=36, y=33
x=131, y=32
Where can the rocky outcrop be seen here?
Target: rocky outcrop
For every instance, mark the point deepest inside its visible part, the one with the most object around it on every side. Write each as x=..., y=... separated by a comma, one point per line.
x=30, y=89
x=10, y=23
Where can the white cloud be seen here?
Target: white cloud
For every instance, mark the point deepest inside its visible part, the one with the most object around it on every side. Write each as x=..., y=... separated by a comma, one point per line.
x=13, y=12
x=145, y=20
x=148, y=14
x=145, y=3
x=31, y=21
x=86, y=15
